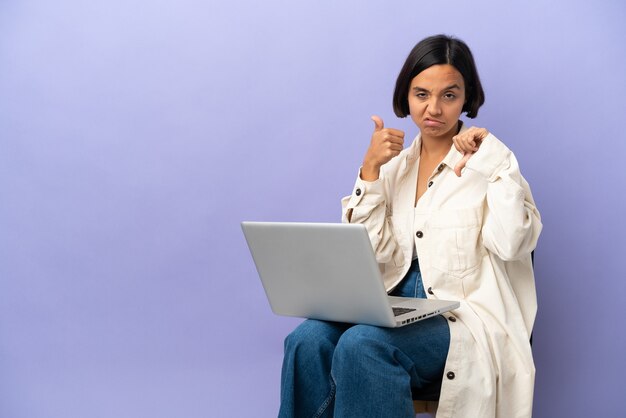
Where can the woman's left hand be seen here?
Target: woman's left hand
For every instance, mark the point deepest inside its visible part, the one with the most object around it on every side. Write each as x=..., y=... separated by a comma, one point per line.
x=467, y=143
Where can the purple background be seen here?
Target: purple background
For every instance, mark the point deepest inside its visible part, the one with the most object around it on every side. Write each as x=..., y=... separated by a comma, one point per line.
x=136, y=135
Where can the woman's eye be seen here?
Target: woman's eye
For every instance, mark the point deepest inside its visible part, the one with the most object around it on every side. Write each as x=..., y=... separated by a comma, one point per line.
x=449, y=96
x=421, y=95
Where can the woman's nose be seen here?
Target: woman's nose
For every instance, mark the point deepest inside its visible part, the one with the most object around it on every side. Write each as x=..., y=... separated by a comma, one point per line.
x=433, y=106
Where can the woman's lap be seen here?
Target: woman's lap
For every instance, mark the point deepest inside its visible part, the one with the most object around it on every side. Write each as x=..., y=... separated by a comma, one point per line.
x=424, y=343
x=333, y=368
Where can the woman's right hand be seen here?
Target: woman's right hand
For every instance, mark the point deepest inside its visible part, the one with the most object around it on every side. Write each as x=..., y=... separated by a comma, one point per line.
x=386, y=143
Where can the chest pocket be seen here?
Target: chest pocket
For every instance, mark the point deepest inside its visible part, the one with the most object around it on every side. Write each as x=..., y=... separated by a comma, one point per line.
x=456, y=240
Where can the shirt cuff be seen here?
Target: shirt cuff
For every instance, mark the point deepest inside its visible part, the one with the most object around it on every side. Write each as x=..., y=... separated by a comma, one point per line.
x=366, y=191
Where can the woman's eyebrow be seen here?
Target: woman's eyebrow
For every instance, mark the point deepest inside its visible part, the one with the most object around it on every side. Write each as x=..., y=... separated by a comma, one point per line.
x=450, y=87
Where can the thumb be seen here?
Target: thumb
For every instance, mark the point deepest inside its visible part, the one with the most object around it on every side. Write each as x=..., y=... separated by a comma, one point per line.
x=461, y=164
x=378, y=122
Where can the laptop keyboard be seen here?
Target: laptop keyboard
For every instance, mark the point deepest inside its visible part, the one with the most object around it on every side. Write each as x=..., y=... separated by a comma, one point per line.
x=400, y=311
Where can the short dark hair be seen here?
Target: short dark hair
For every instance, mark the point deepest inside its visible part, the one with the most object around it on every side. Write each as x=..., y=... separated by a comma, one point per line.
x=436, y=50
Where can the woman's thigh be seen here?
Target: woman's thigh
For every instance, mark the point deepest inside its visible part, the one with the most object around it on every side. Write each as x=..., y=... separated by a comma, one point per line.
x=421, y=348
x=313, y=331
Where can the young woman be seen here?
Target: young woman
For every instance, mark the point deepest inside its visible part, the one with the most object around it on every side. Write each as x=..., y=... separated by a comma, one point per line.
x=450, y=217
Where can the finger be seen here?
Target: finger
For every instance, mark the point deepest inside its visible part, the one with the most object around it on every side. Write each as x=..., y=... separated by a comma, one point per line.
x=396, y=147
x=461, y=164
x=465, y=144
x=395, y=132
x=378, y=123
x=482, y=134
x=457, y=145
x=395, y=140
x=476, y=135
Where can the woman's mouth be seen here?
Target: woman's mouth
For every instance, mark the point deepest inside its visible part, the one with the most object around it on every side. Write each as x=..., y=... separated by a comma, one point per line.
x=432, y=123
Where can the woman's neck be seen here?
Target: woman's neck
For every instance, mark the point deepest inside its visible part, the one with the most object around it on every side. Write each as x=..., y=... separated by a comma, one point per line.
x=435, y=148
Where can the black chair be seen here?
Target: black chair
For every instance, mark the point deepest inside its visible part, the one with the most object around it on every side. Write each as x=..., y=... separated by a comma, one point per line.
x=427, y=399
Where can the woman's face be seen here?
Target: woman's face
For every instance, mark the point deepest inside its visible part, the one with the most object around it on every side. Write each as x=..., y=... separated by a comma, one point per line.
x=436, y=98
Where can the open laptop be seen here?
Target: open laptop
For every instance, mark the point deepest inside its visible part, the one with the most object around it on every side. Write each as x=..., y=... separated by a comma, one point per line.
x=329, y=271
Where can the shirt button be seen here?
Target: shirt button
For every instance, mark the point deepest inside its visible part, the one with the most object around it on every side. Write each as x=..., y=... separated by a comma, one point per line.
x=430, y=183
x=440, y=167
x=419, y=234
x=430, y=291
x=357, y=192
x=450, y=375
x=452, y=319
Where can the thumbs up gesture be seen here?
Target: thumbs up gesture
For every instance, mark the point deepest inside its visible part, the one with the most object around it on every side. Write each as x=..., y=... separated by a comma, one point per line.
x=386, y=143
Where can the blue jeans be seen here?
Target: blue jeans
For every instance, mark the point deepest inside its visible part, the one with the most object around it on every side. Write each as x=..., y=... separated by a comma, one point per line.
x=343, y=370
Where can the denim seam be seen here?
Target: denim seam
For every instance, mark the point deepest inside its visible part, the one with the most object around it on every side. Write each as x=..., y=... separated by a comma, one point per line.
x=328, y=399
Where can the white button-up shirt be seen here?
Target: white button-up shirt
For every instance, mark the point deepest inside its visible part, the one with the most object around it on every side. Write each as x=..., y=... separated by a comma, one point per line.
x=473, y=236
